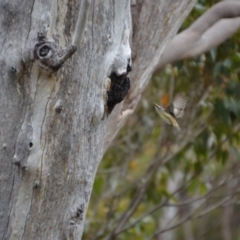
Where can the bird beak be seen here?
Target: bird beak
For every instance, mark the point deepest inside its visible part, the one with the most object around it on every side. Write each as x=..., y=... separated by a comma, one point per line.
x=157, y=106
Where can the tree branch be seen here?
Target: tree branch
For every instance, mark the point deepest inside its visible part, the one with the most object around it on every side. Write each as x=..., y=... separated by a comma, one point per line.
x=191, y=217
x=191, y=201
x=210, y=30
x=155, y=165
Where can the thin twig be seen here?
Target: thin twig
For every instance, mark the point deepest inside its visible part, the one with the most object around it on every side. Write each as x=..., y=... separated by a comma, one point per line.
x=189, y=202
x=190, y=217
x=166, y=204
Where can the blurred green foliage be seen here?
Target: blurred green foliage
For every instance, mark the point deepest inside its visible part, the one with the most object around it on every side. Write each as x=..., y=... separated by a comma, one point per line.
x=172, y=168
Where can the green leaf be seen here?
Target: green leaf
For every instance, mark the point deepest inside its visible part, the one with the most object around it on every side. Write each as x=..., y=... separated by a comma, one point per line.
x=227, y=63
x=198, y=167
x=236, y=57
x=217, y=69
x=221, y=112
x=203, y=188
x=222, y=156
x=193, y=186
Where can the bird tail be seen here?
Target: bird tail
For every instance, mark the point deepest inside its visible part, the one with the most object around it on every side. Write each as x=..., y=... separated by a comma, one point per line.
x=178, y=128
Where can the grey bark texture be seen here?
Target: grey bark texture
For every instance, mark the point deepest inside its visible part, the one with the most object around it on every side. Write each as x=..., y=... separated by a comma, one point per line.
x=55, y=61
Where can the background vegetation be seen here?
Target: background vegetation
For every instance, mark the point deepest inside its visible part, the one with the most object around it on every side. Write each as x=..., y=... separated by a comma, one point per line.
x=155, y=183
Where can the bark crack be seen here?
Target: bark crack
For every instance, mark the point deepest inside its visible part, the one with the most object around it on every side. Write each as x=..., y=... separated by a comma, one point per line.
x=5, y=37
x=93, y=15
x=30, y=26
x=81, y=22
x=10, y=197
x=44, y=146
x=27, y=217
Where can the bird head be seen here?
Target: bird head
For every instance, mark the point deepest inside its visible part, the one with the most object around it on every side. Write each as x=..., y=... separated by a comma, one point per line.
x=158, y=107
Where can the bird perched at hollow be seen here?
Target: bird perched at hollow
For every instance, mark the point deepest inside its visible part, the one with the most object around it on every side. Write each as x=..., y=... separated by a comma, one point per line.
x=173, y=111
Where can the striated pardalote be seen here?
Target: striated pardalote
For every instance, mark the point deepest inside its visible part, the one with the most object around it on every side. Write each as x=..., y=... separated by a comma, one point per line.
x=173, y=111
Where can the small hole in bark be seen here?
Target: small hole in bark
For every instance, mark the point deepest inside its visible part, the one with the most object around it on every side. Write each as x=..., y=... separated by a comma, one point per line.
x=79, y=213
x=59, y=109
x=30, y=145
x=24, y=167
x=17, y=163
x=44, y=50
x=118, y=89
x=129, y=68
x=78, y=216
x=13, y=70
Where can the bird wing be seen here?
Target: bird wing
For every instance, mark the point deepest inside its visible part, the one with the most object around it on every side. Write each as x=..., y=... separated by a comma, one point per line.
x=176, y=108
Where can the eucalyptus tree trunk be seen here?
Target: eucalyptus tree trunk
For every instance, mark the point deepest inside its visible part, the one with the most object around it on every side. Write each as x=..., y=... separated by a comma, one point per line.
x=64, y=66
